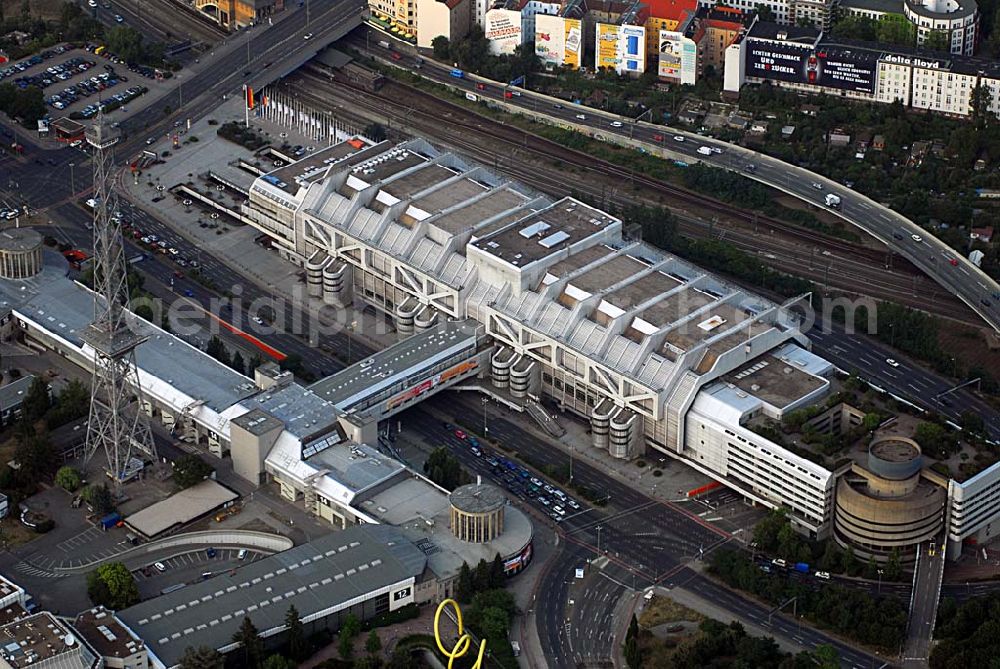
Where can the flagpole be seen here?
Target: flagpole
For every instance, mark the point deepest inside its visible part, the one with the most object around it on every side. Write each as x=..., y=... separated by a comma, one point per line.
x=246, y=104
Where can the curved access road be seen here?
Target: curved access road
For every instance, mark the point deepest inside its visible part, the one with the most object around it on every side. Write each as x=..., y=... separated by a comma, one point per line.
x=954, y=272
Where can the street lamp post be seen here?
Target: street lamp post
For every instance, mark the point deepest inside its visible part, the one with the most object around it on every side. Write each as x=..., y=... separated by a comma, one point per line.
x=880, y=581
x=350, y=331
x=599, y=528
x=72, y=181
x=486, y=401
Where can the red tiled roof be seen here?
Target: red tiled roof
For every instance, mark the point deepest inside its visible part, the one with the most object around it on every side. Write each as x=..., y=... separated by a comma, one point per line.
x=671, y=9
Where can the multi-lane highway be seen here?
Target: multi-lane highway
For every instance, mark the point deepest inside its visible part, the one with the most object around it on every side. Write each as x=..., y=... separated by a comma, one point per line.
x=950, y=269
x=644, y=541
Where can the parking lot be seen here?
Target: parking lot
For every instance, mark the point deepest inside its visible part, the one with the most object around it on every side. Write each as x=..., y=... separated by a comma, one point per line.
x=77, y=81
x=189, y=567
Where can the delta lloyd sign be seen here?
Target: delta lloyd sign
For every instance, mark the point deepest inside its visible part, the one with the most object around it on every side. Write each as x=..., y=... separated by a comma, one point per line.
x=913, y=61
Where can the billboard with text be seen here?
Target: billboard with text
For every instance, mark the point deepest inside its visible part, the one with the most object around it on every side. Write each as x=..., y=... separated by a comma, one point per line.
x=620, y=48
x=503, y=30
x=573, y=42
x=677, y=58
x=838, y=68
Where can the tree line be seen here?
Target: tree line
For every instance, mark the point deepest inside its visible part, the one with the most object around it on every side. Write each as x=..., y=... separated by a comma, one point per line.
x=444, y=469
x=472, y=53
x=715, y=644
x=492, y=608
x=34, y=453
x=967, y=635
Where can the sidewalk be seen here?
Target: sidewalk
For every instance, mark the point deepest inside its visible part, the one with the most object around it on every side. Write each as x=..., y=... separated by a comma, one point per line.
x=972, y=567
x=233, y=243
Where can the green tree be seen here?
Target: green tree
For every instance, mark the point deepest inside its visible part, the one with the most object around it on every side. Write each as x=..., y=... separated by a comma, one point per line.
x=938, y=40
x=37, y=401
x=871, y=568
x=871, y=421
x=278, y=662
x=368, y=662
x=144, y=311
x=826, y=656
x=464, y=588
x=190, y=469
x=935, y=439
x=34, y=456
x=896, y=29
x=402, y=658
x=298, y=646
x=444, y=469
x=375, y=132
x=633, y=653
x=849, y=561
x=237, y=363
x=201, y=657
x=494, y=625
x=979, y=103
x=125, y=42
x=373, y=644
x=497, y=575
x=349, y=629
x=831, y=557
x=893, y=567
x=442, y=47
x=71, y=404
x=972, y=422
x=112, y=585
x=68, y=478
x=217, y=349
x=766, y=532
x=99, y=498
x=481, y=576
x=251, y=645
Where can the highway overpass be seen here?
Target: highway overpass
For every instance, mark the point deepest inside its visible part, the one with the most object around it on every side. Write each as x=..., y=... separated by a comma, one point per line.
x=952, y=270
x=256, y=56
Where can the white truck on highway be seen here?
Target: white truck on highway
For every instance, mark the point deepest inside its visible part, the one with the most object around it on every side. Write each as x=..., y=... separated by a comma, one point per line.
x=704, y=150
x=832, y=201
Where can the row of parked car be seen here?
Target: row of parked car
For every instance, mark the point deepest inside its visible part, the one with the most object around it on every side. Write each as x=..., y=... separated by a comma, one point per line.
x=143, y=70
x=21, y=66
x=56, y=73
x=119, y=98
x=520, y=482
x=83, y=89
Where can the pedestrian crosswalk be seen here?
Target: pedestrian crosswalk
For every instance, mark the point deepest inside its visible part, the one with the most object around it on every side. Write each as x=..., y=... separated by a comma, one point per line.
x=29, y=569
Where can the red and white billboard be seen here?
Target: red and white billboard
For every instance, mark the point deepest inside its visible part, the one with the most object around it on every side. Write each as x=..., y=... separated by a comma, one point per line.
x=503, y=30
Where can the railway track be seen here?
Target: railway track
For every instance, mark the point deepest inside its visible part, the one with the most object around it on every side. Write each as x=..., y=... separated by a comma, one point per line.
x=853, y=272
x=418, y=101
x=171, y=20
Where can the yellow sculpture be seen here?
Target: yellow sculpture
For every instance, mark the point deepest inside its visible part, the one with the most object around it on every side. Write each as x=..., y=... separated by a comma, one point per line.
x=464, y=641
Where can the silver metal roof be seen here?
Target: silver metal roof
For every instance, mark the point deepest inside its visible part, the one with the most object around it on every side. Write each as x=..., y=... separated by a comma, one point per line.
x=318, y=578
